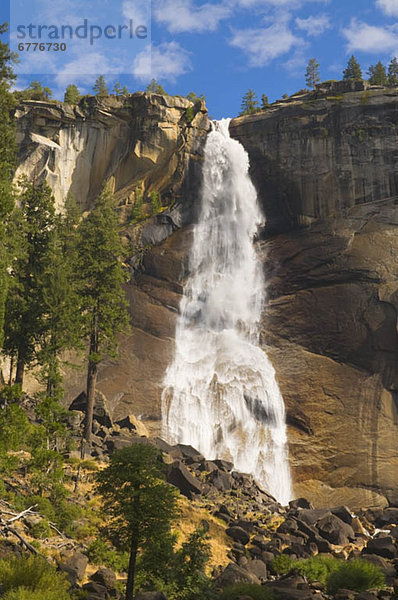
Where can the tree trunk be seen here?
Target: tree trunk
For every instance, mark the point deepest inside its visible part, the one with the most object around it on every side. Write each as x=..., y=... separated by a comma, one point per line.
x=11, y=370
x=20, y=372
x=92, y=372
x=131, y=571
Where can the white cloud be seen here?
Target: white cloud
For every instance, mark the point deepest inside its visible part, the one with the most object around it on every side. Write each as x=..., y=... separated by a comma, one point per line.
x=297, y=62
x=166, y=61
x=389, y=7
x=138, y=11
x=184, y=16
x=263, y=45
x=86, y=64
x=370, y=38
x=314, y=25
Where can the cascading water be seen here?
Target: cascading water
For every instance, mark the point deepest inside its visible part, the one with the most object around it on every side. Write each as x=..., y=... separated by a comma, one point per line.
x=220, y=393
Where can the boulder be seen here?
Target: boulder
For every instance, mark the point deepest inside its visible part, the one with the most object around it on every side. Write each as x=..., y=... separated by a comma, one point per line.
x=133, y=424
x=300, y=503
x=234, y=574
x=238, y=534
x=74, y=565
x=190, y=454
x=257, y=568
x=224, y=465
x=95, y=591
x=101, y=411
x=179, y=476
x=334, y=530
x=105, y=577
x=221, y=480
x=382, y=546
x=343, y=513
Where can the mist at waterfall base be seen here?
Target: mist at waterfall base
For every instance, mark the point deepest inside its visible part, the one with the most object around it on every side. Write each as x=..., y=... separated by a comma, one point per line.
x=220, y=393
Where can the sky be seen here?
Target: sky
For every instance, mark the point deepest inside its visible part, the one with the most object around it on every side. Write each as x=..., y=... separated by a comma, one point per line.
x=218, y=48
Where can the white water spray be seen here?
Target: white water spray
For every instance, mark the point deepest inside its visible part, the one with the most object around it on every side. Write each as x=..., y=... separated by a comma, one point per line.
x=220, y=394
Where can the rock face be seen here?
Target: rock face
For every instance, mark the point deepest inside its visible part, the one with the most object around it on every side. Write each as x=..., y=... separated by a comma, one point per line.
x=330, y=325
x=143, y=138
x=326, y=169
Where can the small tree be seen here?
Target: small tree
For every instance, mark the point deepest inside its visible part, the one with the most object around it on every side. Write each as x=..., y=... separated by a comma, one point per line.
x=312, y=76
x=142, y=506
x=103, y=302
x=117, y=89
x=377, y=74
x=249, y=103
x=353, y=69
x=264, y=101
x=195, y=98
x=72, y=94
x=36, y=91
x=100, y=88
x=155, y=88
x=393, y=72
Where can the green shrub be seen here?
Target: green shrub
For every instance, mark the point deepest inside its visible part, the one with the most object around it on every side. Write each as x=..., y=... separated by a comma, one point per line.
x=30, y=578
x=41, y=530
x=317, y=568
x=257, y=592
x=101, y=553
x=358, y=575
x=283, y=564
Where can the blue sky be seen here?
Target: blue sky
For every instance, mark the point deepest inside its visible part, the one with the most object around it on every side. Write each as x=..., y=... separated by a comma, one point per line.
x=217, y=48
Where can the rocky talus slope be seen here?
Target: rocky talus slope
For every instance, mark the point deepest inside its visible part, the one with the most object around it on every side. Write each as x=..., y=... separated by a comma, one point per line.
x=325, y=166
x=248, y=529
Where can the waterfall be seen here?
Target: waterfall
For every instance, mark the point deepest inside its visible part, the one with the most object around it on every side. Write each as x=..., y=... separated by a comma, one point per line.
x=220, y=392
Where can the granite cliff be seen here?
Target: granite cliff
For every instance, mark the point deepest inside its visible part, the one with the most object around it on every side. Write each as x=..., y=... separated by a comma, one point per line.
x=325, y=166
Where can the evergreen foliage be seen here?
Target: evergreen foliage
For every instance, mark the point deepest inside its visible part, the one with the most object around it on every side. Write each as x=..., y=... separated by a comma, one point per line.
x=100, y=87
x=26, y=312
x=195, y=98
x=312, y=76
x=72, y=94
x=36, y=91
x=7, y=166
x=249, y=103
x=353, y=70
x=102, y=299
x=155, y=88
x=377, y=74
x=264, y=101
x=393, y=72
x=141, y=505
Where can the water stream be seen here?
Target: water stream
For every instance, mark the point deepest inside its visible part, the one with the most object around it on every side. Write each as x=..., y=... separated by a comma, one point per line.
x=220, y=392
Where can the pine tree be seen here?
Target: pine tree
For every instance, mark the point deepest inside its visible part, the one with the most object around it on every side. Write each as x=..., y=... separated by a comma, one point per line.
x=100, y=88
x=7, y=166
x=353, y=70
x=142, y=506
x=312, y=76
x=62, y=322
x=393, y=72
x=25, y=305
x=377, y=74
x=72, y=94
x=249, y=103
x=117, y=89
x=125, y=91
x=103, y=300
x=36, y=91
x=264, y=101
x=155, y=88
x=192, y=97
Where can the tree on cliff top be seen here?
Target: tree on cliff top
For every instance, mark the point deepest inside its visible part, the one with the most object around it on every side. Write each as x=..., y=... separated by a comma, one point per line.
x=377, y=74
x=155, y=88
x=7, y=166
x=249, y=103
x=353, y=69
x=312, y=76
x=141, y=504
x=100, y=87
x=103, y=301
x=72, y=94
x=393, y=72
